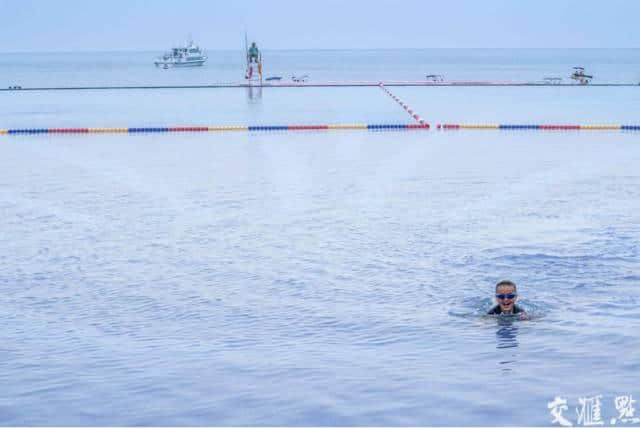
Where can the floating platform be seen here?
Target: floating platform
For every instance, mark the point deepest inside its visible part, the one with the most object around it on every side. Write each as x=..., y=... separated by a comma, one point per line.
x=345, y=84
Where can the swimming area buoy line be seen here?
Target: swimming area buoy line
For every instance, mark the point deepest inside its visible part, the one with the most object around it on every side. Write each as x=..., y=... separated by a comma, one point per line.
x=370, y=127
x=544, y=127
x=274, y=128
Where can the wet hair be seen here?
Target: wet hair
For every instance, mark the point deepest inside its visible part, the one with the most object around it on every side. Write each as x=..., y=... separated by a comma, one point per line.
x=508, y=283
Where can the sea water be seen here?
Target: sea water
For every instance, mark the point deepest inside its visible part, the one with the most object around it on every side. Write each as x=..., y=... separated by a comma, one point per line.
x=317, y=278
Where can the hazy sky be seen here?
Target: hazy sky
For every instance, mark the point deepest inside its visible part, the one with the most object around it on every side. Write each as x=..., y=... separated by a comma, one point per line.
x=70, y=25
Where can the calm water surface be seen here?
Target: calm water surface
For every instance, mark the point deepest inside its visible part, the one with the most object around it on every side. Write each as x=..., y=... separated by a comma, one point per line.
x=315, y=278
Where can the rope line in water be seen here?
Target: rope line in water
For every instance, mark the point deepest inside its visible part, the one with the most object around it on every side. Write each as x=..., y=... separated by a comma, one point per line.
x=370, y=127
x=408, y=109
x=355, y=126
x=549, y=127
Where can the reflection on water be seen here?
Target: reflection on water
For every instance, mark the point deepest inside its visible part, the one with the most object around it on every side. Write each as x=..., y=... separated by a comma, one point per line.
x=507, y=337
x=254, y=94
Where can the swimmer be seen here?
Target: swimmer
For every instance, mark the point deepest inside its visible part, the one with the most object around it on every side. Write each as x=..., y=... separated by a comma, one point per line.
x=506, y=296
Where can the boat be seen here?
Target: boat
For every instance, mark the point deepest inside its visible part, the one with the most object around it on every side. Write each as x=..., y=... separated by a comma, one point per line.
x=187, y=56
x=435, y=78
x=579, y=76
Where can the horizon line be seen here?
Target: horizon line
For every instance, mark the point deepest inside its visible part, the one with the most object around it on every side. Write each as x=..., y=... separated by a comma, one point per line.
x=317, y=49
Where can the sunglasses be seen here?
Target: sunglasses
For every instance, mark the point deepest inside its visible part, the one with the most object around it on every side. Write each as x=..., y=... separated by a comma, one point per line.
x=506, y=296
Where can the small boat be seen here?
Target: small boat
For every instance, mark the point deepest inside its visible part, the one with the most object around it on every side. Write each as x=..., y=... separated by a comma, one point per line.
x=579, y=76
x=300, y=79
x=273, y=78
x=435, y=77
x=187, y=56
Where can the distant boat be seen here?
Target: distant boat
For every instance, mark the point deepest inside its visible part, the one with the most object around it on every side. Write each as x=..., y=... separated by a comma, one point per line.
x=272, y=78
x=187, y=56
x=579, y=76
x=435, y=77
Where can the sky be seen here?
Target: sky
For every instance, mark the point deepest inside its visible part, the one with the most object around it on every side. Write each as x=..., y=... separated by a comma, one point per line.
x=74, y=25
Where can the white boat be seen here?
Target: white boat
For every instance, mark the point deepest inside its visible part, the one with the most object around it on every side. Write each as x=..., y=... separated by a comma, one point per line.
x=187, y=56
x=579, y=76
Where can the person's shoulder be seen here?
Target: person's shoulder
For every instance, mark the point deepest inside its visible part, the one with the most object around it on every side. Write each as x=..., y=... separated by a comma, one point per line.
x=518, y=310
x=495, y=310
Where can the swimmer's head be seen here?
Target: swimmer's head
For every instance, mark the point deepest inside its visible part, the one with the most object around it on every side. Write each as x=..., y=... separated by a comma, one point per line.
x=506, y=295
